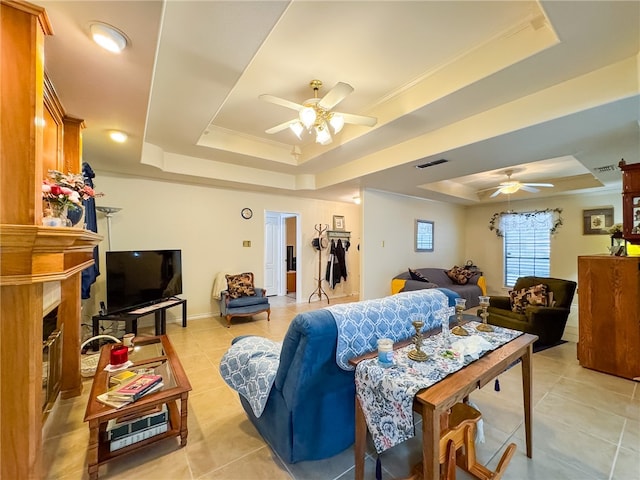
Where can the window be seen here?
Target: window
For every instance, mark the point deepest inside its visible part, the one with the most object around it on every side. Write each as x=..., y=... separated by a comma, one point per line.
x=527, y=244
x=424, y=236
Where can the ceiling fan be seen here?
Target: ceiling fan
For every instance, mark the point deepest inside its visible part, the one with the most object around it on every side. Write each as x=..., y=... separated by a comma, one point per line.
x=315, y=114
x=512, y=186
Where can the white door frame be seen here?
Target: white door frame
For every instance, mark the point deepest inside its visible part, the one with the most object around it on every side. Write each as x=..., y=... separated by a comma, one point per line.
x=280, y=253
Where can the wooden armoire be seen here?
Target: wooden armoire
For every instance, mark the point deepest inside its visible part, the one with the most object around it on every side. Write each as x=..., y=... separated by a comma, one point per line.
x=609, y=314
x=36, y=135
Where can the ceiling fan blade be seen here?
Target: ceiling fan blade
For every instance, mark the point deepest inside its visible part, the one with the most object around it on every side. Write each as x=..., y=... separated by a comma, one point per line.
x=280, y=101
x=496, y=193
x=279, y=128
x=528, y=188
x=358, y=119
x=486, y=189
x=335, y=95
x=538, y=184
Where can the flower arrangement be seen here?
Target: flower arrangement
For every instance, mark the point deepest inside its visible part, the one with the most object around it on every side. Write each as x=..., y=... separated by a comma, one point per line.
x=615, y=228
x=62, y=191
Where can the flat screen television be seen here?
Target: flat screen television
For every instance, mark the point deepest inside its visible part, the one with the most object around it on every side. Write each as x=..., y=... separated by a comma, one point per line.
x=142, y=277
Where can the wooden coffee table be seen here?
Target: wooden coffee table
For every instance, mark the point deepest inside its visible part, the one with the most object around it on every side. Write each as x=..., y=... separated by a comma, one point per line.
x=148, y=352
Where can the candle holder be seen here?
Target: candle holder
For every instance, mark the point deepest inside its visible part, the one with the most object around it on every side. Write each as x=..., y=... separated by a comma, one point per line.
x=484, y=326
x=459, y=329
x=417, y=354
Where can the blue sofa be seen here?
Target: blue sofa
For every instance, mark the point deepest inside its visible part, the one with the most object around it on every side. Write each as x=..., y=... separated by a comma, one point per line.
x=309, y=411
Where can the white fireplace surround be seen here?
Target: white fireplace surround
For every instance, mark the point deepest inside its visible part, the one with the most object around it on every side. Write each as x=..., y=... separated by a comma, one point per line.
x=51, y=296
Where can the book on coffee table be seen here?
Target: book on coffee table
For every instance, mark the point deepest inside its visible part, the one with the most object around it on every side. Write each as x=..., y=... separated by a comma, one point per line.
x=116, y=402
x=135, y=388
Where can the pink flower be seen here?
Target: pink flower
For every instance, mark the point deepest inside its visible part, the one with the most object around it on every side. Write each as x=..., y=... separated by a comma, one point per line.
x=75, y=197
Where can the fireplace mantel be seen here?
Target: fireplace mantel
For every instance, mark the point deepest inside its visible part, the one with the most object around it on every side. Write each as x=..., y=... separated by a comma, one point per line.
x=36, y=254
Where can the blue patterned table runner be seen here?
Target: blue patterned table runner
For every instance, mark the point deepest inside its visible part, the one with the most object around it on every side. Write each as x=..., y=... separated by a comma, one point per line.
x=386, y=394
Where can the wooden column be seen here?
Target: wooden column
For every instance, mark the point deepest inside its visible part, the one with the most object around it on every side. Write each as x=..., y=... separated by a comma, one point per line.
x=31, y=254
x=72, y=144
x=21, y=381
x=23, y=28
x=69, y=316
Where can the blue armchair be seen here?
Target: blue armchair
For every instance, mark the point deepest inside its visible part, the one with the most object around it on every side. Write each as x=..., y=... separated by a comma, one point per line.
x=242, y=299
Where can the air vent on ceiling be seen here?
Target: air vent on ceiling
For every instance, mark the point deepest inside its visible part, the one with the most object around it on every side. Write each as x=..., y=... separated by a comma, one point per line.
x=605, y=168
x=431, y=164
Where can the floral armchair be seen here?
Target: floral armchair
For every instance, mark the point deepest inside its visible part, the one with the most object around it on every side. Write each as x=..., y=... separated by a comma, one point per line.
x=242, y=298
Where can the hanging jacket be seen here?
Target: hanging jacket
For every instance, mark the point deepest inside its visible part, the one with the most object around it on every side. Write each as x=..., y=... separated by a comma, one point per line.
x=89, y=274
x=342, y=260
x=333, y=267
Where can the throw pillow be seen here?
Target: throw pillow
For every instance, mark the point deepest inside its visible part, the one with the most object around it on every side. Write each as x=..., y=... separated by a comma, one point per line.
x=459, y=275
x=240, y=285
x=535, y=295
x=415, y=275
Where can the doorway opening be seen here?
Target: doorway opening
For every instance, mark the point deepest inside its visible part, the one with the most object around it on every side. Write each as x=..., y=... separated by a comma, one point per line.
x=282, y=250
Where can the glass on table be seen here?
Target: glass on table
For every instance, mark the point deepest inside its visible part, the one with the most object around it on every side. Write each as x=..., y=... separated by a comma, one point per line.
x=443, y=316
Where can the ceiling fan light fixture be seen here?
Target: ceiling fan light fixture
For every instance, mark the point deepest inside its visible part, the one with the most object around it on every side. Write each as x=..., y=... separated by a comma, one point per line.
x=316, y=116
x=510, y=188
x=308, y=116
x=337, y=122
x=323, y=137
x=108, y=37
x=297, y=129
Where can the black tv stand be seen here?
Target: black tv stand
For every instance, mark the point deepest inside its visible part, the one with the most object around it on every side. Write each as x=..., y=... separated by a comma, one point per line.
x=131, y=316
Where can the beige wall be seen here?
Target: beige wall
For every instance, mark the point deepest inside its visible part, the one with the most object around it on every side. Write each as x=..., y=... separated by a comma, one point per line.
x=388, y=238
x=205, y=223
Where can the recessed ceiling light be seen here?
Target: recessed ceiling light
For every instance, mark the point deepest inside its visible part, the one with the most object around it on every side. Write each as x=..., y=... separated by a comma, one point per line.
x=117, y=136
x=108, y=37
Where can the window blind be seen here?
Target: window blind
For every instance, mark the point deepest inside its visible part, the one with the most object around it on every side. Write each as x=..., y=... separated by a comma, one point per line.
x=527, y=245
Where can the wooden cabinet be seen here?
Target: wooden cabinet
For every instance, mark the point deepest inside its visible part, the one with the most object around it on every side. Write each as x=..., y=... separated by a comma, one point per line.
x=31, y=254
x=630, y=202
x=609, y=314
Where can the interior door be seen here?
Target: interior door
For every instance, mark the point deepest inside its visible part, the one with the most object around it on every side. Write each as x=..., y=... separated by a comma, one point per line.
x=272, y=255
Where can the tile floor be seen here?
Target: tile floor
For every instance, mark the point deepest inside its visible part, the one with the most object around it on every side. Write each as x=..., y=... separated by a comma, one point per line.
x=586, y=424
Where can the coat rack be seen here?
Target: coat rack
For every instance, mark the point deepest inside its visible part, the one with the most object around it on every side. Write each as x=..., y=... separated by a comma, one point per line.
x=320, y=229
x=338, y=234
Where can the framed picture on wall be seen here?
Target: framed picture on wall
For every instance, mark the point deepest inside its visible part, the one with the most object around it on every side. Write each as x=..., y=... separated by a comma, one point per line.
x=338, y=222
x=597, y=221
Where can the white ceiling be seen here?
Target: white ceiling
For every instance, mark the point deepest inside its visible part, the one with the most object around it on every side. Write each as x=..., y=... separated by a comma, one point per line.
x=549, y=89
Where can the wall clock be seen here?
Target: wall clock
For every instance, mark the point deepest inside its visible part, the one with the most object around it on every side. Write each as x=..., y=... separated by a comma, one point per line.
x=246, y=213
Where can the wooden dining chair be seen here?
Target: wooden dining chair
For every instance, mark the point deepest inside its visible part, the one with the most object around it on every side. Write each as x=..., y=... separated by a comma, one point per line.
x=458, y=447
